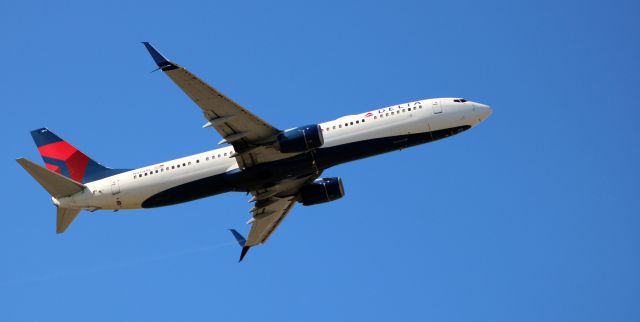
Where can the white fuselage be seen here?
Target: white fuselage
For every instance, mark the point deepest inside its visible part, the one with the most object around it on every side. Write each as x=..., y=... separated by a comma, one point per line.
x=129, y=189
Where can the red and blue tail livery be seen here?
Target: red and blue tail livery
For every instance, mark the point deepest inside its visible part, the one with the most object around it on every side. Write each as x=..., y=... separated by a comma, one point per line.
x=61, y=157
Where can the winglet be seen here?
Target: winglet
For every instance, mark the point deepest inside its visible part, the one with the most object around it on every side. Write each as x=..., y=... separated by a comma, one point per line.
x=245, y=249
x=238, y=237
x=162, y=62
x=242, y=242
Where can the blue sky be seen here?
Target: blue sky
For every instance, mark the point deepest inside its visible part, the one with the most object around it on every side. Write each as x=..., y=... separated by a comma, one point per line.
x=532, y=216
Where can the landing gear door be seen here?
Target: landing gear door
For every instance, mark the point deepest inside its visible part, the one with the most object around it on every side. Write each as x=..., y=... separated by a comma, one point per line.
x=437, y=108
x=115, y=188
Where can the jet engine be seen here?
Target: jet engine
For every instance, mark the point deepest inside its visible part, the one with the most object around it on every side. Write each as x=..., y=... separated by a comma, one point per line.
x=300, y=139
x=320, y=191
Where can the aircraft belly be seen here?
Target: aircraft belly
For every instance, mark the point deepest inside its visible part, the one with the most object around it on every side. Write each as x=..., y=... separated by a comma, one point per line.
x=267, y=174
x=334, y=155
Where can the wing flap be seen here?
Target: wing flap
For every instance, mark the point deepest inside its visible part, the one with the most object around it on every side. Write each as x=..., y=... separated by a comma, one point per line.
x=267, y=219
x=272, y=205
x=215, y=105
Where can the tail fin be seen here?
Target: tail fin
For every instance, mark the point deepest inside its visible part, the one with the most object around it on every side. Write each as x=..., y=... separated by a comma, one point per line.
x=61, y=157
x=58, y=186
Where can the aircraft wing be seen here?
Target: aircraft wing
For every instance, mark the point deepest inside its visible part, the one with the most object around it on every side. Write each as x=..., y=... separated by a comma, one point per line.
x=245, y=131
x=267, y=218
x=271, y=207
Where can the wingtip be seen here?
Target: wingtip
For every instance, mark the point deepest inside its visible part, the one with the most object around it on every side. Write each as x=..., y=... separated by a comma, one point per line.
x=241, y=241
x=158, y=58
x=239, y=238
x=245, y=249
x=23, y=161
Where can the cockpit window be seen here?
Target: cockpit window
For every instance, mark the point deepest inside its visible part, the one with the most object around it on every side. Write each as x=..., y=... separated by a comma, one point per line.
x=459, y=100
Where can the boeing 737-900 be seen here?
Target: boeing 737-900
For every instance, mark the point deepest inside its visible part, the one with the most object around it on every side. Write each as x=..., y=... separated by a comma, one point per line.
x=279, y=168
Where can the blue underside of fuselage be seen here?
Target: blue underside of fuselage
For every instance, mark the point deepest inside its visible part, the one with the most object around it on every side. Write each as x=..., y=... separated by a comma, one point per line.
x=268, y=174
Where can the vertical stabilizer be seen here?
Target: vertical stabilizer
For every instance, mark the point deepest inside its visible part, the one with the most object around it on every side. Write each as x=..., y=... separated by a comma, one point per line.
x=61, y=157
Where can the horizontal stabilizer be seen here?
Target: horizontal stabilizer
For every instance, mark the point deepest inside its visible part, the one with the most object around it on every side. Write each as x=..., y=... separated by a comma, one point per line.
x=65, y=217
x=56, y=184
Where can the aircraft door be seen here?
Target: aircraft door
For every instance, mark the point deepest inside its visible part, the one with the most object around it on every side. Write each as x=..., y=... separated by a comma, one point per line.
x=115, y=188
x=437, y=108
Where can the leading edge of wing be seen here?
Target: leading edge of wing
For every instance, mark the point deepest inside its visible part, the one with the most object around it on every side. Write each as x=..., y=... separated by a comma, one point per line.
x=237, y=125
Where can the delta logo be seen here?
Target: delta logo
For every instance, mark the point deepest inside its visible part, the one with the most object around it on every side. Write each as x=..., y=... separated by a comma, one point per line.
x=368, y=114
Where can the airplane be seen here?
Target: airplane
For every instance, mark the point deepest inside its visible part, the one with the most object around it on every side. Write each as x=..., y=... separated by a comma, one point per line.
x=279, y=168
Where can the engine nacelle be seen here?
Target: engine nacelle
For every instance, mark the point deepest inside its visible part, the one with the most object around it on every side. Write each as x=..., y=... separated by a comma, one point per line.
x=320, y=191
x=300, y=139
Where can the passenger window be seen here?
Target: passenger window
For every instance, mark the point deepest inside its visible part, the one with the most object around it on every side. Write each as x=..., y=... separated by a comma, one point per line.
x=225, y=154
x=334, y=127
x=184, y=164
x=156, y=171
x=351, y=123
x=340, y=126
x=207, y=159
x=219, y=155
x=403, y=110
x=362, y=120
x=145, y=174
x=346, y=124
x=178, y=166
x=375, y=117
x=387, y=114
x=162, y=170
x=173, y=167
x=357, y=122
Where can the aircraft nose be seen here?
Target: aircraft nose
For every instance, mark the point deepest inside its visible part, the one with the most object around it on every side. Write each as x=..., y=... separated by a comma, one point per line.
x=483, y=110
